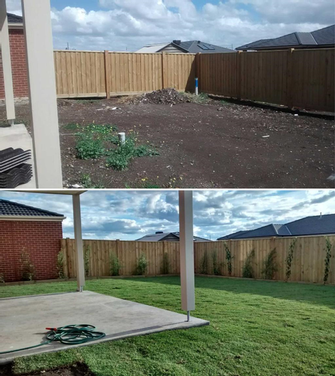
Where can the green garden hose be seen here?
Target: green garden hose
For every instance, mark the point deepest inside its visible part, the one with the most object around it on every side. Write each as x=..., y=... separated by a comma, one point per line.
x=68, y=335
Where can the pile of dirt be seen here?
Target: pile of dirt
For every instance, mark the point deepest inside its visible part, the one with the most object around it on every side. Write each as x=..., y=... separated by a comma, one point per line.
x=164, y=96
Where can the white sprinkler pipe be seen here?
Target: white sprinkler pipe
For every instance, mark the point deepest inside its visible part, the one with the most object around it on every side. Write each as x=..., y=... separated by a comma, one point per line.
x=122, y=138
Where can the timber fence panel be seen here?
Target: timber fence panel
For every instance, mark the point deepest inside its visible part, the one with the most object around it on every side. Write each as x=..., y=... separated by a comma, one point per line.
x=308, y=263
x=80, y=74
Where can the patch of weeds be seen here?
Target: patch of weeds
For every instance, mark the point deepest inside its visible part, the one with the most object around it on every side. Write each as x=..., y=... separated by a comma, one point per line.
x=115, y=265
x=86, y=182
x=95, y=141
x=142, y=265
x=90, y=143
x=120, y=157
x=2, y=278
x=89, y=147
x=248, y=270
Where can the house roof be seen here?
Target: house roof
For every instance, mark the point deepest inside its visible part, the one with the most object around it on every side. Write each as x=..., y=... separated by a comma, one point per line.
x=191, y=46
x=152, y=48
x=314, y=225
x=318, y=38
x=196, y=46
x=160, y=236
x=13, y=18
x=14, y=209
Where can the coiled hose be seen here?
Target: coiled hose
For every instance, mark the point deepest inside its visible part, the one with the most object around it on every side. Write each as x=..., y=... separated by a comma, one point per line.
x=68, y=335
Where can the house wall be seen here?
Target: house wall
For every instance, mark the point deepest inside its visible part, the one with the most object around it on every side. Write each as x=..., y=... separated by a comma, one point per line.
x=40, y=239
x=19, y=65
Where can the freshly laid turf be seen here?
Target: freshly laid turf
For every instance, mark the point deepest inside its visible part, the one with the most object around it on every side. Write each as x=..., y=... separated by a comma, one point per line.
x=257, y=328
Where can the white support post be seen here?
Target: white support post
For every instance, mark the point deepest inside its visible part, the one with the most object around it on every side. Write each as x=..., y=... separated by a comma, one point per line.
x=186, y=251
x=42, y=90
x=6, y=63
x=79, y=242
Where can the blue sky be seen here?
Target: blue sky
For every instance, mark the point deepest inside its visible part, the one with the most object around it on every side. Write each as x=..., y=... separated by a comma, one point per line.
x=128, y=215
x=120, y=25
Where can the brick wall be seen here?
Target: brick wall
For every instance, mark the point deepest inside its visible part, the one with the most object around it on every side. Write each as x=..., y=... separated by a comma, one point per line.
x=40, y=239
x=19, y=67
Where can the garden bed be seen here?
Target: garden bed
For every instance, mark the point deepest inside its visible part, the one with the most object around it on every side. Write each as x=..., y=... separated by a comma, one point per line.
x=207, y=144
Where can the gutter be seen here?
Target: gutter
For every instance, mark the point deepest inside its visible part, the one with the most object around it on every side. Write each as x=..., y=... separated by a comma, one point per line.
x=31, y=218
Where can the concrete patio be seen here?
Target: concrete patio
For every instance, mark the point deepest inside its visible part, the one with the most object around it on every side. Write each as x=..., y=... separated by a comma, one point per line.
x=24, y=319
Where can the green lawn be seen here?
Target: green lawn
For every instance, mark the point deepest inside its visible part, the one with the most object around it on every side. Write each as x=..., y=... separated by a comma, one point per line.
x=257, y=328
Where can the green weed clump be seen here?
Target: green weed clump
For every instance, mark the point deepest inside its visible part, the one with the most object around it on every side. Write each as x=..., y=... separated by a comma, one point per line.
x=142, y=265
x=95, y=141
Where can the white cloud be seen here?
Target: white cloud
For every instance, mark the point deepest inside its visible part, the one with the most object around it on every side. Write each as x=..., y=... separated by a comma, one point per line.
x=130, y=24
x=128, y=215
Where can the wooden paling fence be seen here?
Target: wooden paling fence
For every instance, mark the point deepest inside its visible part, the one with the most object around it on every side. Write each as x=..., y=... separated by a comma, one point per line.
x=104, y=74
x=294, y=78
x=308, y=263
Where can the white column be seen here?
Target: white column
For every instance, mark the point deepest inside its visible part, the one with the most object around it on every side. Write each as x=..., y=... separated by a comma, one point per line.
x=6, y=63
x=79, y=242
x=42, y=90
x=186, y=251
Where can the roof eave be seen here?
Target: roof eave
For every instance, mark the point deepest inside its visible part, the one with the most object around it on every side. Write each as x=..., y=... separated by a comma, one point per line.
x=31, y=218
x=15, y=25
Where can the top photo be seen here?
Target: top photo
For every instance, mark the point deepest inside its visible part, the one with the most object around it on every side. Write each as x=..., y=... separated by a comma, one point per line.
x=166, y=94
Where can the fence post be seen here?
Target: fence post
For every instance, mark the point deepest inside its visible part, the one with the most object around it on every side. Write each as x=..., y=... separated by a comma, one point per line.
x=289, y=78
x=239, y=74
x=197, y=68
x=163, y=71
x=106, y=66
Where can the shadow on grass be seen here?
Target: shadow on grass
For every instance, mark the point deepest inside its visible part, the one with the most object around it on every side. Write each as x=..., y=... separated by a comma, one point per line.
x=308, y=293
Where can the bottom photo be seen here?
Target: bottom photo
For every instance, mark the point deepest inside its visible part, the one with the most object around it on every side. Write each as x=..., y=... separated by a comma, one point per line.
x=167, y=282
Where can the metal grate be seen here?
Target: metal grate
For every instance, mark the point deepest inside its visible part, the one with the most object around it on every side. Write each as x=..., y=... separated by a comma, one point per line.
x=13, y=170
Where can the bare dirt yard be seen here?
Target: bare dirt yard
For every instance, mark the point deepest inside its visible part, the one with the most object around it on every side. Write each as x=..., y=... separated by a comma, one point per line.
x=202, y=143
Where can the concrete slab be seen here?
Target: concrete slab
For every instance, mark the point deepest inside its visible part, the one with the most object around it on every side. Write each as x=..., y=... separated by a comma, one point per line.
x=23, y=320
x=17, y=136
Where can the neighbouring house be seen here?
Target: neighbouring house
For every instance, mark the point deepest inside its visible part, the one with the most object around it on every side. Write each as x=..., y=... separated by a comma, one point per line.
x=308, y=226
x=18, y=57
x=190, y=47
x=321, y=38
x=28, y=236
x=160, y=236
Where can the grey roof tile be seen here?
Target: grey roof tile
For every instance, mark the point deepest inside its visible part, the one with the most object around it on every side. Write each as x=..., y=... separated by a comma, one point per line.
x=318, y=38
x=10, y=208
x=13, y=18
x=313, y=225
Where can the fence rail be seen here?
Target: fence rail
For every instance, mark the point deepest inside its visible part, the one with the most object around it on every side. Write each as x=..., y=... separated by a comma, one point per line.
x=308, y=263
x=293, y=78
